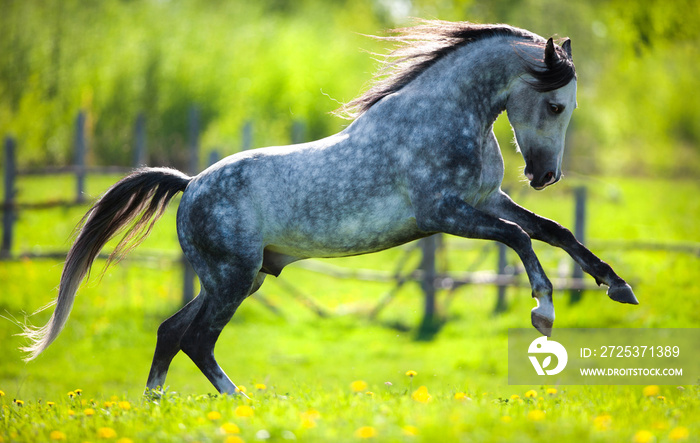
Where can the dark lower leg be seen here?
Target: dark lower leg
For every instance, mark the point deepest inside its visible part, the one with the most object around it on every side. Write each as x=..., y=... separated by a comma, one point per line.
x=541, y=316
x=454, y=216
x=170, y=333
x=200, y=338
x=553, y=233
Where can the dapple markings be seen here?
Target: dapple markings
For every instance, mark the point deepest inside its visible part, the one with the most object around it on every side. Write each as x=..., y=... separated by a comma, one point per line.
x=419, y=158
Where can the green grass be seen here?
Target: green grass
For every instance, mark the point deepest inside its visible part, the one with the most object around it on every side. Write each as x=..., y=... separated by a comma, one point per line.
x=308, y=363
x=390, y=414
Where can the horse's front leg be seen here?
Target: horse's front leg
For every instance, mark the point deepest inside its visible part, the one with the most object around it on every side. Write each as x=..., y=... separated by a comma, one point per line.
x=551, y=232
x=452, y=215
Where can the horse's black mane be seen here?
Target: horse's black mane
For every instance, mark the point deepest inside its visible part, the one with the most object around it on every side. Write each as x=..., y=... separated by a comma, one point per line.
x=422, y=45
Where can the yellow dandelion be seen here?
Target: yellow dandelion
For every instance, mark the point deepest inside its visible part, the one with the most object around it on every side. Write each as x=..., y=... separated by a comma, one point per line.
x=214, y=415
x=233, y=439
x=2, y=394
x=78, y=392
x=461, y=396
x=19, y=402
x=410, y=431
x=71, y=394
x=643, y=436
x=422, y=395
x=260, y=387
x=50, y=404
x=651, y=391
x=308, y=418
x=552, y=391
x=71, y=412
x=531, y=393
x=679, y=433
x=125, y=440
x=312, y=413
x=602, y=422
x=661, y=398
x=124, y=405
x=307, y=422
x=106, y=433
x=369, y=393
x=57, y=435
x=506, y=419
x=244, y=411
x=366, y=432
x=536, y=415
x=411, y=373
x=241, y=389
x=230, y=428
x=358, y=386
x=108, y=404
x=515, y=397
x=89, y=412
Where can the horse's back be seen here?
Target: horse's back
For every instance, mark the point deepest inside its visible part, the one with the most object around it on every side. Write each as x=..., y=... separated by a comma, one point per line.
x=321, y=199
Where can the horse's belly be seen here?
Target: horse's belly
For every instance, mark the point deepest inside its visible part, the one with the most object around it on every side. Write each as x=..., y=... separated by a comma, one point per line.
x=332, y=235
x=340, y=239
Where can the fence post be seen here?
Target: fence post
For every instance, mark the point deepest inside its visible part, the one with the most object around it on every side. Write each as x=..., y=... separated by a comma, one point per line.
x=192, y=169
x=214, y=157
x=140, y=141
x=8, y=215
x=193, y=140
x=501, y=304
x=80, y=149
x=575, y=295
x=298, y=132
x=428, y=325
x=247, y=136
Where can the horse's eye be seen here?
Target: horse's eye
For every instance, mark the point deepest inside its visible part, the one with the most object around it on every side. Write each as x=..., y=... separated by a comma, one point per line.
x=555, y=109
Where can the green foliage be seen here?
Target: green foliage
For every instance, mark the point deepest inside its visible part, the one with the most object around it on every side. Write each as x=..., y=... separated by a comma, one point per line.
x=275, y=62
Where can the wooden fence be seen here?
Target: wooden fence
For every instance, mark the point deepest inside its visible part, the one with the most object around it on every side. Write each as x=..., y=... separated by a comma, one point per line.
x=80, y=170
x=428, y=274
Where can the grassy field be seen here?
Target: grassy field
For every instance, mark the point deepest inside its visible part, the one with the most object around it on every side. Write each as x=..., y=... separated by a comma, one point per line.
x=343, y=378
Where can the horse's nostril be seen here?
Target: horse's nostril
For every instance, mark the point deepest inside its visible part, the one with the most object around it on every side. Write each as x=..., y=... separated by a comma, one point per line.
x=548, y=177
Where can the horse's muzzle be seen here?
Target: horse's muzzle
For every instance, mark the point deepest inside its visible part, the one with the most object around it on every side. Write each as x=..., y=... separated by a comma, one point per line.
x=544, y=180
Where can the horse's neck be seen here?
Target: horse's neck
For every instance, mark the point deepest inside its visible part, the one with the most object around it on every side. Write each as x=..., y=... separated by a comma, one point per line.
x=472, y=81
x=456, y=100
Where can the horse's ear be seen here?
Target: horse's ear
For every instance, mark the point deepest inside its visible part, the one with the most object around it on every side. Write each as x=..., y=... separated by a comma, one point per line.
x=550, y=56
x=566, y=46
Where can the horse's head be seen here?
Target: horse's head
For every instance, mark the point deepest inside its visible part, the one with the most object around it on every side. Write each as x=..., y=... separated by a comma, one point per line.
x=539, y=108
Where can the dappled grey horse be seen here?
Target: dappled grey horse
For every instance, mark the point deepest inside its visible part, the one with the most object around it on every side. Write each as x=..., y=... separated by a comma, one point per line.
x=419, y=158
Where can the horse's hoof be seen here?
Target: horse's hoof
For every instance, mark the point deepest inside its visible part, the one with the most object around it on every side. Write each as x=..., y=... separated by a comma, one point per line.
x=542, y=324
x=623, y=294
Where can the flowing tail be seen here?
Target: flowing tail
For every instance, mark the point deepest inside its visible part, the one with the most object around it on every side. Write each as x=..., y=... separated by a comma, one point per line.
x=133, y=205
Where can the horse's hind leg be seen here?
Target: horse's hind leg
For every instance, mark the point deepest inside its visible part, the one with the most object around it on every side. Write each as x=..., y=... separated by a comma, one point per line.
x=170, y=333
x=223, y=291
